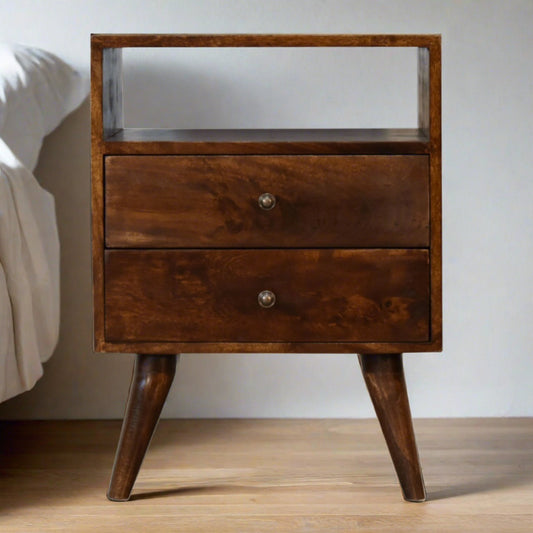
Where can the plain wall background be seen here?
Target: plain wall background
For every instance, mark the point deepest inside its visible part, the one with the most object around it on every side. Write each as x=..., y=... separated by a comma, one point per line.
x=486, y=368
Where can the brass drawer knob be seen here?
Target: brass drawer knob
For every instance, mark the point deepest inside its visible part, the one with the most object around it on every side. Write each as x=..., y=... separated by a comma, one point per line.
x=266, y=299
x=267, y=201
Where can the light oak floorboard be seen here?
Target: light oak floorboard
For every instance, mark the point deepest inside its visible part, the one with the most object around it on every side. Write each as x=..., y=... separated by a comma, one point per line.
x=222, y=476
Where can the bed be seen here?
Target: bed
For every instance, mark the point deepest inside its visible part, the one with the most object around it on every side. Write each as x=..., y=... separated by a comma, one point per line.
x=37, y=91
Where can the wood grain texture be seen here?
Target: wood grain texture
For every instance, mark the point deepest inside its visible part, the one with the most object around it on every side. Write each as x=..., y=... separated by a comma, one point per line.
x=283, y=476
x=97, y=195
x=269, y=347
x=321, y=201
x=436, y=190
x=322, y=295
x=384, y=378
x=332, y=142
x=150, y=383
x=369, y=301
x=260, y=40
x=267, y=141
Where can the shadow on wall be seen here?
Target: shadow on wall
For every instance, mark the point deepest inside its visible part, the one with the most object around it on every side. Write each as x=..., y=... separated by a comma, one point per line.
x=274, y=88
x=188, y=99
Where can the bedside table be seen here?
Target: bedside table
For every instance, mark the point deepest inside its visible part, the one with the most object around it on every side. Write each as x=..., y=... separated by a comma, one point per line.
x=293, y=241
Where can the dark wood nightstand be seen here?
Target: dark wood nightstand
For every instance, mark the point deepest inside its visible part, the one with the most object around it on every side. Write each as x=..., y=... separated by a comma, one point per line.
x=294, y=241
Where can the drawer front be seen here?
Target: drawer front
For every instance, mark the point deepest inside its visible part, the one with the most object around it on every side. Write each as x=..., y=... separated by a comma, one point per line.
x=321, y=295
x=213, y=201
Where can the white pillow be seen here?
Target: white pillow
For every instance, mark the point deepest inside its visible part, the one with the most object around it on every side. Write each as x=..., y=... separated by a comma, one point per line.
x=37, y=91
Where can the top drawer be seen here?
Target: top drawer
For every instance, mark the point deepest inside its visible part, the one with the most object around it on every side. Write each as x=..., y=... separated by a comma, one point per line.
x=308, y=201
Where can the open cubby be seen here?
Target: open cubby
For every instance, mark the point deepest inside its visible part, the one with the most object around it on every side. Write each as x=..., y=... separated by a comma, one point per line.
x=351, y=138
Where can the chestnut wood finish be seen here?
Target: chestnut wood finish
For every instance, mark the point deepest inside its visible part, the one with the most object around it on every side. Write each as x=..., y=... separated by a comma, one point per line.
x=261, y=40
x=159, y=347
x=322, y=295
x=156, y=202
x=150, y=383
x=424, y=140
x=384, y=378
x=97, y=192
x=267, y=141
x=181, y=248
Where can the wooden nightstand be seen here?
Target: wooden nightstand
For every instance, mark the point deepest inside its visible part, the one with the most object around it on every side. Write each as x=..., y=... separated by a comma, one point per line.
x=294, y=241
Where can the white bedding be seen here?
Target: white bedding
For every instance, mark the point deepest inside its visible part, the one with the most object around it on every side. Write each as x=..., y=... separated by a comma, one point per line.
x=37, y=91
x=29, y=276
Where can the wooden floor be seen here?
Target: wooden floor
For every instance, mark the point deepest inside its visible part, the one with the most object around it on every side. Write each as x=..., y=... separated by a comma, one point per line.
x=272, y=476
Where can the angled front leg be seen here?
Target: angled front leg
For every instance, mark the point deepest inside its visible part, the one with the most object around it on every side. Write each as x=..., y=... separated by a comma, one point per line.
x=385, y=381
x=150, y=383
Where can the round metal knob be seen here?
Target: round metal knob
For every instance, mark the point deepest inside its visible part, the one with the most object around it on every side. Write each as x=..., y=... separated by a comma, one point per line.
x=266, y=299
x=266, y=201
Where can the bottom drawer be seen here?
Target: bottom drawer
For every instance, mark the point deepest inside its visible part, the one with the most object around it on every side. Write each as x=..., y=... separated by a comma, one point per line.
x=320, y=295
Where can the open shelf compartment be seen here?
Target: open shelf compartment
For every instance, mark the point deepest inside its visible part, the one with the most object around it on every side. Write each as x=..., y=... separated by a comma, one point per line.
x=109, y=125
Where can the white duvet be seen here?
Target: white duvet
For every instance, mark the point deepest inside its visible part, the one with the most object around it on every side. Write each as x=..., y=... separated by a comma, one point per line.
x=29, y=276
x=37, y=91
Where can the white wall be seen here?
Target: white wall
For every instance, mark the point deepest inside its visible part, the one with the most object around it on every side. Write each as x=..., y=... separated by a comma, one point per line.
x=486, y=368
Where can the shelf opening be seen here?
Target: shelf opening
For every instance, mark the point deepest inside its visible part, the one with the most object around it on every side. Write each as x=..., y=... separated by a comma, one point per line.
x=263, y=88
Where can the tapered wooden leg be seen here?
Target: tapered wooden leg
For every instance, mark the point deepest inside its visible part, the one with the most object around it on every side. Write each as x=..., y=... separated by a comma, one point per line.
x=150, y=383
x=385, y=381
